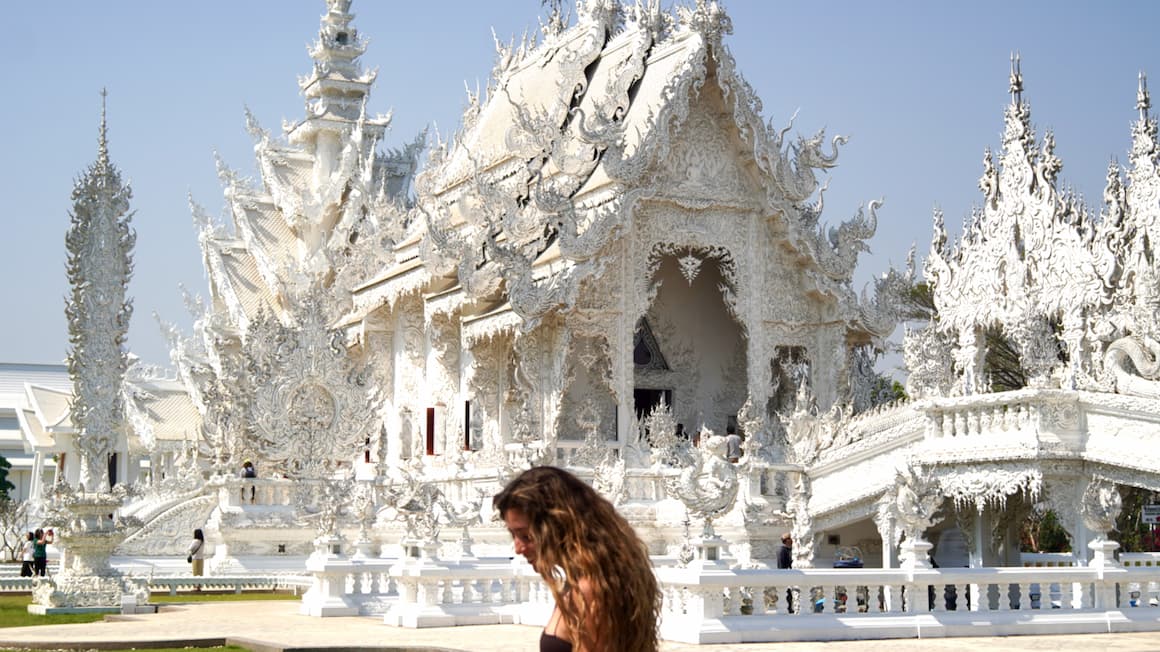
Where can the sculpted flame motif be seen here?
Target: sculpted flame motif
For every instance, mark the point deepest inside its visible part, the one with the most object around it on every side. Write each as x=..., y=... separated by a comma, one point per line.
x=1077, y=297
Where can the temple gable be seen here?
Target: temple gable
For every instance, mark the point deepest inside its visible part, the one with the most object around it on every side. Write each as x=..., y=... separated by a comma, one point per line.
x=705, y=166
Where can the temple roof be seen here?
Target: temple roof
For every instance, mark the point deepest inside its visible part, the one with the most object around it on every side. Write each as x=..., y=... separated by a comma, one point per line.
x=547, y=170
x=165, y=410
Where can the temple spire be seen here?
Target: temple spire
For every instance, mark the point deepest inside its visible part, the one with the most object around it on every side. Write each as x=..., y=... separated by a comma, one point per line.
x=1015, y=85
x=1143, y=100
x=103, y=135
x=337, y=86
x=99, y=245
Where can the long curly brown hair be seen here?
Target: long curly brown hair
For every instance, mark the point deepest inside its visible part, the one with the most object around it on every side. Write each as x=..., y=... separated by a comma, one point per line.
x=576, y=529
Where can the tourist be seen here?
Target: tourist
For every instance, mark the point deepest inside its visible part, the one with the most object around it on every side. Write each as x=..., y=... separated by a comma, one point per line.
x=248, y=472
x=40, y=551
x=732, y=444
x=27, y=558
x=607, y=598
x=785, y=560
x=196, y=555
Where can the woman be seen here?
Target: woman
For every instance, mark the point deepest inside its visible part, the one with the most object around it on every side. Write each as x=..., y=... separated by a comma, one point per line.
x=607, y=598
x=196, y=555
x=40, y=551
x=27, y=560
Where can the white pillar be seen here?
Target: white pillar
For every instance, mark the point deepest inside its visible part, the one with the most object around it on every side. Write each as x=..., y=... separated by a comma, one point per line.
x=36, y=485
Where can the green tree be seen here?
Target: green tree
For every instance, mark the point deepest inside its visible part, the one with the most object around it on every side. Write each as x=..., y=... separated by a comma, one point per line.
x=1044, y=533
x=5, y=485
x=13, y=526
x=1131, y=532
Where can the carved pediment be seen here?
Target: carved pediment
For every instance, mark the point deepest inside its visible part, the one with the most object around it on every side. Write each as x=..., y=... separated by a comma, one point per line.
x=705, y=165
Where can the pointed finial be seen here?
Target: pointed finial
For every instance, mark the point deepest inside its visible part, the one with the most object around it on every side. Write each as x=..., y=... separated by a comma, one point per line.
x=102, y=137
x=1015, y=85
x=1143, y=101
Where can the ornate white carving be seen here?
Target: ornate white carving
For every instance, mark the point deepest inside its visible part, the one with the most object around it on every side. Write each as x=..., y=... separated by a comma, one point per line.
x=914, y=503
x=1034, y=262
x=984, y=485
x=690, y=266
x=708, y=487
x=99, y=243
x=313, y=407
x=1100, y=505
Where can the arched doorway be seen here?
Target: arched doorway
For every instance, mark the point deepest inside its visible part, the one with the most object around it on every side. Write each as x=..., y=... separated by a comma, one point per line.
x=699, y=362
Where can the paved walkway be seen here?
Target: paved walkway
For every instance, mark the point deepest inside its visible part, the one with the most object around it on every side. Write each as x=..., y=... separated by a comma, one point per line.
x=275, y=626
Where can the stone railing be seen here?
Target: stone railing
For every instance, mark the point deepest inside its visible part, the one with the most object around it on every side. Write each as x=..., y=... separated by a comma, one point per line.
x=984, y=414
x=435, y=594
x=270, y=492
x=716, y=604
x=747, y=606
x=174, y=584
x=1048, y=559
x=236, y=583
x=1133, y=559
x=425, y=592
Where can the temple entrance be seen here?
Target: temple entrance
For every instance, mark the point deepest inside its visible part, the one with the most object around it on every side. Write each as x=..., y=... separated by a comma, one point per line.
x=689, y=348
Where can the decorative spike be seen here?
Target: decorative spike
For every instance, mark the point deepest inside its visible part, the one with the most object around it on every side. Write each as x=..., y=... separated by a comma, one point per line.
x=103, y=134
x=1015, y=83
x=254, y=128
x=1143, y=100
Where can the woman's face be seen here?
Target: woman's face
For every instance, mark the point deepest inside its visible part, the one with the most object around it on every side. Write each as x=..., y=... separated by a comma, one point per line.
x=520, y=529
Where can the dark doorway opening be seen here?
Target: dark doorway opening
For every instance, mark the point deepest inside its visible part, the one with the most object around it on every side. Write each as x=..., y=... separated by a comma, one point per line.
x=644, y=400
x=112, y=469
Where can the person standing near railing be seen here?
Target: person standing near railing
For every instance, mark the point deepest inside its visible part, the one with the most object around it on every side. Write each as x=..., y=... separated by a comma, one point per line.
x=598, y=569
x=248, y=473
x=785, y=560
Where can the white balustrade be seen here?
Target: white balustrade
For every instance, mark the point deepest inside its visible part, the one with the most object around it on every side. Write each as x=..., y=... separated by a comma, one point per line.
x=968, y=601
x=716, y=604
x=262, y=492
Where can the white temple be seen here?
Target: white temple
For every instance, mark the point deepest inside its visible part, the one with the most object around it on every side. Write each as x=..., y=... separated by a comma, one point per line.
x=614, y=243
x=593, y=243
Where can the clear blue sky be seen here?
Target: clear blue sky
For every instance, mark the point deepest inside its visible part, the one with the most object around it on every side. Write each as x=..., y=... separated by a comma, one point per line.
x=918, y=86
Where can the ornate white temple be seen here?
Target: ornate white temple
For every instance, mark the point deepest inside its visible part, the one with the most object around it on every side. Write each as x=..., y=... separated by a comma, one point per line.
x=601, y=239
x=614, y=259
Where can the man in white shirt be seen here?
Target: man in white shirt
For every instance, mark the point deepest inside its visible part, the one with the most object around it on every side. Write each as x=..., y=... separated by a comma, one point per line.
x=732, y=444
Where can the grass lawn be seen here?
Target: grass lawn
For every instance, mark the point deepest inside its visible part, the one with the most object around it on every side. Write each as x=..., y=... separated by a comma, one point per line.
x=14, y=613
x=209, y=596
x=14, y=608
x=227, y=648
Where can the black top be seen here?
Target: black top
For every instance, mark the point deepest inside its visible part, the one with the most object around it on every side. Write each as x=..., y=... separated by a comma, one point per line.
x=784, y=557
x=550, y=643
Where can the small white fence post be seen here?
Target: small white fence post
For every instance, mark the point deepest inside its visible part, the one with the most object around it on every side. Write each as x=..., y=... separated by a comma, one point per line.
x=1103, y=560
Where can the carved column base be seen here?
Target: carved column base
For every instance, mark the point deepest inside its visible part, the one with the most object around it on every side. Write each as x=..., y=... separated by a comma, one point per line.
x=708, y=552
x=420, y=550
x=1103, y=558
x=86, y=581
x=364, y=549
x=914, y=554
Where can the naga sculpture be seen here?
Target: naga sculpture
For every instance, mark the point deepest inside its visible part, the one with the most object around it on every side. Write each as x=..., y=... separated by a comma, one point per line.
x=708, y=488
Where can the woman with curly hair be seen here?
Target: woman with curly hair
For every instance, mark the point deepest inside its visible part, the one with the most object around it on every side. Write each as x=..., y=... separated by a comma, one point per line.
x=607, y=598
